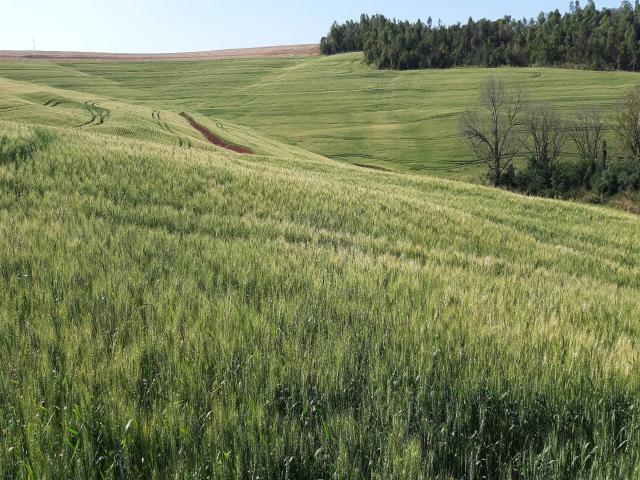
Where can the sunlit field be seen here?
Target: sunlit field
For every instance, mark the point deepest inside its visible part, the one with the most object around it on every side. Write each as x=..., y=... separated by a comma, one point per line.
x=169, y=309
x=335, y=106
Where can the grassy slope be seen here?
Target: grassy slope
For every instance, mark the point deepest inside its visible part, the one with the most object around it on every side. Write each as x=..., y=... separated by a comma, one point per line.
x=334, y=106
x=181, y=311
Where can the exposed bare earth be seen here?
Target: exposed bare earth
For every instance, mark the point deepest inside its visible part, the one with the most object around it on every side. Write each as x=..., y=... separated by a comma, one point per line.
x=279, y=51
x=213, y=138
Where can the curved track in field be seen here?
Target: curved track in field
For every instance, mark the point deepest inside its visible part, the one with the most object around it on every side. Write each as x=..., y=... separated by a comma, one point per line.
x=98, y=115
x=215, y=139
x=182, y=142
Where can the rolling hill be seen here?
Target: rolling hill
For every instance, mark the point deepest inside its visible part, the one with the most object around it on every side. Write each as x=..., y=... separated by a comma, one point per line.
x=171, y=309
x=334, y=106
x=235, y=53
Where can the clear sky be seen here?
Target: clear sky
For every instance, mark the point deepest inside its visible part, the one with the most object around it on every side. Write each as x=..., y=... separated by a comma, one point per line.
x=192, y=25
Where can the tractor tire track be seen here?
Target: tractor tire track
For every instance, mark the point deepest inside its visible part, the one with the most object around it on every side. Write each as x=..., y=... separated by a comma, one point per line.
x=182, y=142
x=98, y=114
x=53, y=103
x=12, y=108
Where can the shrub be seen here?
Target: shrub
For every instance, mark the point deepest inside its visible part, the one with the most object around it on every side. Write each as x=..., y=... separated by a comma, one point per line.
x=628, y=171
x=568, y=176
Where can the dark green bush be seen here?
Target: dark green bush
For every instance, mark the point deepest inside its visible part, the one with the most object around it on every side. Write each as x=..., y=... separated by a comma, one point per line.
x=628, y=173
x=568, y=176
x=621, y=175
x=573, y=179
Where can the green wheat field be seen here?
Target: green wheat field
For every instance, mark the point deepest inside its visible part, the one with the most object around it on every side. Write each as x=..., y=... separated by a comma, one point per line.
x=169, y=309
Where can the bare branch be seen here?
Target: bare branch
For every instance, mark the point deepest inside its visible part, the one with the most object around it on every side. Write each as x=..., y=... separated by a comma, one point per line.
x=627, y=123
x=546, y=139
x=491, y=131
x=587, y=132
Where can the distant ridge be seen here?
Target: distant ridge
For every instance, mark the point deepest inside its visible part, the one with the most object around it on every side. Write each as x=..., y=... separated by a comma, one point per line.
x=276, y=51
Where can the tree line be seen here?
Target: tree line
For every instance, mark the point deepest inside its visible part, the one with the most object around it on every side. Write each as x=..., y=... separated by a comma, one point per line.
x=504, y=128
x=583, y=37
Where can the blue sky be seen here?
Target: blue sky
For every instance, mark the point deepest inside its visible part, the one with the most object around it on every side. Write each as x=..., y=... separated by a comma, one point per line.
x=188, y=25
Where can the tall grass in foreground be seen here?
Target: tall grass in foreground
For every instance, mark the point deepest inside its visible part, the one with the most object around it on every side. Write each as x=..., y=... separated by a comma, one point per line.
x=182, y=313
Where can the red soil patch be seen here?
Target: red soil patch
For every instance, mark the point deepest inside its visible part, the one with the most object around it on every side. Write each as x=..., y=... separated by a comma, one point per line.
x=213, y=138
x=280, y=51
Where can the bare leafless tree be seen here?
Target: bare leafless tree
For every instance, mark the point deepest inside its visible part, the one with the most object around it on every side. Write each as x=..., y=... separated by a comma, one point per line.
x=546, y=139
x=491, y=130
x=587, y=131
x=627, y=123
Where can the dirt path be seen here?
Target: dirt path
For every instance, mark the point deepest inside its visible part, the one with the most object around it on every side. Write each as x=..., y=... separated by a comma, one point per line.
x=215, y=139
x=279, y=51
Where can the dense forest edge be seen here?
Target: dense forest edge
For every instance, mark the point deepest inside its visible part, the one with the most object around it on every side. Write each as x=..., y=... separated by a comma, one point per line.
x=584, y=37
